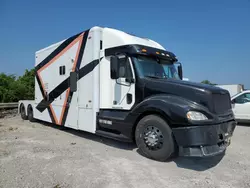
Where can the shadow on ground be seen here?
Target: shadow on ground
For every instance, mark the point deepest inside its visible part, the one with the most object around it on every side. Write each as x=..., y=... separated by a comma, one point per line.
x=194, y=163
x=244, y=124
x=198, y=164
x=93, y=137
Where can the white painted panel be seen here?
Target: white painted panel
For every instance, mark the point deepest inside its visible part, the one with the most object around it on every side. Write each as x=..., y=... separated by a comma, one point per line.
x=113, y=37
x=44, y=116
x=72, y=116
x=106, y=84
x=86, y=120
x=86, y=91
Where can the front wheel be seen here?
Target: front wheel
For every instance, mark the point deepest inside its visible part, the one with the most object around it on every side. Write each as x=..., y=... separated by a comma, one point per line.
x=154, y=138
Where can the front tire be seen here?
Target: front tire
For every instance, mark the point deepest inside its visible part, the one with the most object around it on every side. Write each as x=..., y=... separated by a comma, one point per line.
x=154, y=138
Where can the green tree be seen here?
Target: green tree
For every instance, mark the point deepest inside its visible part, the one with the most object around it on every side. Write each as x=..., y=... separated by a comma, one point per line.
x=13, y=89
x=208, y=82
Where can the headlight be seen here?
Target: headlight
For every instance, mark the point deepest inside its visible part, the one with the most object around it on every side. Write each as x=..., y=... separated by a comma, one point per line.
x=192, y=115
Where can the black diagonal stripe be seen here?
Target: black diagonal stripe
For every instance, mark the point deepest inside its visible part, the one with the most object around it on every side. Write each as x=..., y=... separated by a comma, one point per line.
x=47, y=104
x=65, y=85
x=88, y=68
x=53, y=95
x=67, y=108
x=57, y=51
x=40, y=84
x=84, y=41
x=51, y=115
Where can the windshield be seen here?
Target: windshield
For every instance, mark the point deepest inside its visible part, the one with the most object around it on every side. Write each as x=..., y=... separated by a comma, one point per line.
x=151, y=67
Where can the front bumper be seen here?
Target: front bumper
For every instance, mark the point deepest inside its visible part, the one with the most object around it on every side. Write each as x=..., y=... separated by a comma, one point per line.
x=202, y=141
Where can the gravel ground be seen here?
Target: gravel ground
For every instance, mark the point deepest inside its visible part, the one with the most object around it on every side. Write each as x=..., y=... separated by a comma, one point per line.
x=39, y=155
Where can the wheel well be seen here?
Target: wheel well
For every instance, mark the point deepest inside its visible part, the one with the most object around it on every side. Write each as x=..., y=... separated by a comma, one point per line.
x=151, y=112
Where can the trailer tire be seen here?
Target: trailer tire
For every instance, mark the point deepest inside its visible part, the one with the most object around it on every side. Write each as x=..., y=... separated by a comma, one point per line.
x=22, y=112
x=154, y=138
x=30, y=114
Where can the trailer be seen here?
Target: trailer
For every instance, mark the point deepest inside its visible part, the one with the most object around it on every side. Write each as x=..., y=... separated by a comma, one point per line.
x=110, y=83
x=233, y=89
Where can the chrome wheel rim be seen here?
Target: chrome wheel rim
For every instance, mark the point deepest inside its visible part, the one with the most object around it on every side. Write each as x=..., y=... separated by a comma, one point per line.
x=153, y=138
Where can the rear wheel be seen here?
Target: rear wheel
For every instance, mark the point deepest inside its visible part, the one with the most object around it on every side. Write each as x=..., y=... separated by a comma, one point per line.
x=30, y=114
x=22, y=112
x=154, y=138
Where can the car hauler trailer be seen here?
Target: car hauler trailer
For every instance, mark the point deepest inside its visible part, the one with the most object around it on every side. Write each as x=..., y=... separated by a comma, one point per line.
x=107, y=82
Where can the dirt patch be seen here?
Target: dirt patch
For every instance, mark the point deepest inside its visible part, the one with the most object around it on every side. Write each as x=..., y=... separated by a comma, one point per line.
x=7, y=113
x=48, y=156
x=12, y=128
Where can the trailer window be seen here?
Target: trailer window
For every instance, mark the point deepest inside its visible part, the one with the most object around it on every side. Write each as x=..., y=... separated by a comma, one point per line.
x=62, y=70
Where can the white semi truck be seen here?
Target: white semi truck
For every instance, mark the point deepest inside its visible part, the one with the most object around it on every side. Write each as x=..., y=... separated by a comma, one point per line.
x=107, y=82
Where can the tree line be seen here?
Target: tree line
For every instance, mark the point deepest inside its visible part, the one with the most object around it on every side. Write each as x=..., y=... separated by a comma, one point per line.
x=14, y=88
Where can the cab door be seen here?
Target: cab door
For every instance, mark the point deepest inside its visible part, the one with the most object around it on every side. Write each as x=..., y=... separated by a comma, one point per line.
x=124, y=89
x=241, y=106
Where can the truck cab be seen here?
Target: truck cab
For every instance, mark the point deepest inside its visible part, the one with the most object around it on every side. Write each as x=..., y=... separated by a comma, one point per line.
x=114, y=84
x=149, y=96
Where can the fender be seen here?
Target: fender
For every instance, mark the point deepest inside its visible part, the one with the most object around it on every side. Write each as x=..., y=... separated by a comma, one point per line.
x=173, y=107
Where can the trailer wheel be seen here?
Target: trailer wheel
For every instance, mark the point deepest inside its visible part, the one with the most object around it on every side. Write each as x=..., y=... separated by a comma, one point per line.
x=154, y=138
x=22, y=112
x=30, y=114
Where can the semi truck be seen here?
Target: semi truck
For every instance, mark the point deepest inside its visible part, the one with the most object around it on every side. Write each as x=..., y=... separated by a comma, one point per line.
x=129, y=88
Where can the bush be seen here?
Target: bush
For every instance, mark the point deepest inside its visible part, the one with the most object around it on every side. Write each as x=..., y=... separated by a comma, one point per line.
x=13, y=89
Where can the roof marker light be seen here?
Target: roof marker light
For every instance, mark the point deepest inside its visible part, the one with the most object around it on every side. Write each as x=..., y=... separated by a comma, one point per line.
x=157, y=53
x=144, y=50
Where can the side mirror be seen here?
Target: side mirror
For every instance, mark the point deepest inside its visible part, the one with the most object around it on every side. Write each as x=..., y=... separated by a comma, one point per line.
x=180, y=71
x=114, y=67
x=73, y=81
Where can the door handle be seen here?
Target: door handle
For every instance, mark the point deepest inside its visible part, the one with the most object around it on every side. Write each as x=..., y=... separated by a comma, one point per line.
x=129, y=98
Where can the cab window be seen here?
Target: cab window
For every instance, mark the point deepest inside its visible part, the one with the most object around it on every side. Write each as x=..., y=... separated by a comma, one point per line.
x=125, y=69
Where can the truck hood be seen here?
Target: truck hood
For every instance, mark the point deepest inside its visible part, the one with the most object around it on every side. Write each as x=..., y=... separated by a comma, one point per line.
x=217, y=100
